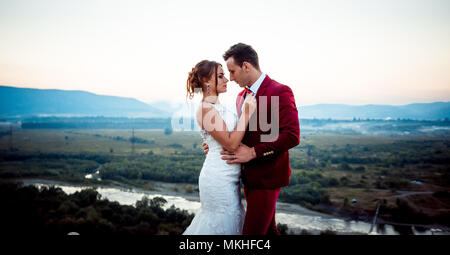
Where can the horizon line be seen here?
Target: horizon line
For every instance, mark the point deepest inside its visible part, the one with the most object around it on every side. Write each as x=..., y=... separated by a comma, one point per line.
x=180, y=102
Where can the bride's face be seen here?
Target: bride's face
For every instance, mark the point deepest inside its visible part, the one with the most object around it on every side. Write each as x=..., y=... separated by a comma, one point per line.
x=221, y=81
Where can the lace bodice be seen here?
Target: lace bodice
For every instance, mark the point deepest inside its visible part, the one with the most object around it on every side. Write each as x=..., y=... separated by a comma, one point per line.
x=230, y=119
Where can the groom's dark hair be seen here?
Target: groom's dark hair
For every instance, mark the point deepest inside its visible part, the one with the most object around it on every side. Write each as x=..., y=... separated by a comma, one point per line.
x=242, y=52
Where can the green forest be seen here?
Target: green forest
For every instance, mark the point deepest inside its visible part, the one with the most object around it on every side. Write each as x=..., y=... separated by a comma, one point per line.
x=49, y=211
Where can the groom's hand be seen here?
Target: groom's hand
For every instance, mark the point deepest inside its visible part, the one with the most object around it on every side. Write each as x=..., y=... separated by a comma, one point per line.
x=205, y=148
x=242, y=155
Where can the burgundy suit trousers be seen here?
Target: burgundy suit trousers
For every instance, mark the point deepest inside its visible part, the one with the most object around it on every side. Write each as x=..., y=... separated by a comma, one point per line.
x=260, y=214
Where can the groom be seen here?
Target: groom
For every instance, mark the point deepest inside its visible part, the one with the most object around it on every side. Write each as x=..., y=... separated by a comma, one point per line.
x=264, y=161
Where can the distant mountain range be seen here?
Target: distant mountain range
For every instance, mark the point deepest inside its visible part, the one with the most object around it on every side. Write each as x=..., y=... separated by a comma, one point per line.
x=417, y=111
x=27, y=102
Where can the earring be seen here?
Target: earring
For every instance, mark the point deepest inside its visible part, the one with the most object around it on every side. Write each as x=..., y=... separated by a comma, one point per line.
x=207, y=89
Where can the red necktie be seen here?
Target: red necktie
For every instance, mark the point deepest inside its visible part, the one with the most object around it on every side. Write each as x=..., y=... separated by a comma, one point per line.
x=248, y=91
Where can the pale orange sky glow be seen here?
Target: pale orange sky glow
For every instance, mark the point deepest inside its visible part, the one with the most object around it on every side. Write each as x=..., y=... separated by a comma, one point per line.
x=349, y=52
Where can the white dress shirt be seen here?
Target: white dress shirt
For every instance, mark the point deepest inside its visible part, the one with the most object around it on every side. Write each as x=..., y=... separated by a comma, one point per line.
x=254, y=88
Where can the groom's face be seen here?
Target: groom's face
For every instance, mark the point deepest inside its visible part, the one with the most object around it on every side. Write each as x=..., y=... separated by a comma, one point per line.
x=237, y=73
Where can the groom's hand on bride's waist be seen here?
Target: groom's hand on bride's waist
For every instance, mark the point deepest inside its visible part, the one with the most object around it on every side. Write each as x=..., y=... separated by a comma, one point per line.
x=242, y=155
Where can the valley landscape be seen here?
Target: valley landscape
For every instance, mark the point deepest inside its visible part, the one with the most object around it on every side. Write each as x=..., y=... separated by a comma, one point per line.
x=385, y=171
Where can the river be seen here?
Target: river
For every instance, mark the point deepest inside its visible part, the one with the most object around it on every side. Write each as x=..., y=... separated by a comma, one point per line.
x=297, y=218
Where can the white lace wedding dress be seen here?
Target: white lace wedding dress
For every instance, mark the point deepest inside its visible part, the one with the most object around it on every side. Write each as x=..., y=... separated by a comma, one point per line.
x=221, y=211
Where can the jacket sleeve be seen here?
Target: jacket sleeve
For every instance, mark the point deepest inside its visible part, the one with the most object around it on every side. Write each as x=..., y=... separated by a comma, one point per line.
x=289, y=126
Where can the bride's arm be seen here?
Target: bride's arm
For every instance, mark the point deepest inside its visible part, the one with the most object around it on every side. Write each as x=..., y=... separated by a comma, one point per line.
x=216, y=127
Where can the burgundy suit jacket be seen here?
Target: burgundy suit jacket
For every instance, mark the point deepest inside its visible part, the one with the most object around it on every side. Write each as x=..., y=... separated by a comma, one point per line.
x=271, y=169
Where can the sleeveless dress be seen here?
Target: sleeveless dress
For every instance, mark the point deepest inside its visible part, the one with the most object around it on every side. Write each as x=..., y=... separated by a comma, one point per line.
x=221, y=211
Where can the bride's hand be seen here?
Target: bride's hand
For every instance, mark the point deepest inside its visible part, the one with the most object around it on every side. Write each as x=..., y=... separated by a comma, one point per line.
x=250, y=102
x=205, y=148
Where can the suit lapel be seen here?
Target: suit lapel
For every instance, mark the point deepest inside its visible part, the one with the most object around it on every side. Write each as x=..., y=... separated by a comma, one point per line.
x=261, y=90
x=239, y=102
x=263, y=86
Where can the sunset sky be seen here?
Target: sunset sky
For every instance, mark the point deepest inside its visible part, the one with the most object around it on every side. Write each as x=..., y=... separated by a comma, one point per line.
x=350, y=52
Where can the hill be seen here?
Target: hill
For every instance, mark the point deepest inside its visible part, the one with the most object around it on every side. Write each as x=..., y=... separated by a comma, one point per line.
x=26, y=101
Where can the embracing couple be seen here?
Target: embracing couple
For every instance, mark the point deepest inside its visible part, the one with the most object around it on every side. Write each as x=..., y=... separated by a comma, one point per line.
x=242, y=145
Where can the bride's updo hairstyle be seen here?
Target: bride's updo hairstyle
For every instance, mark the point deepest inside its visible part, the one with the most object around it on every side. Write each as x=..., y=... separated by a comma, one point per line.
x=201, y=73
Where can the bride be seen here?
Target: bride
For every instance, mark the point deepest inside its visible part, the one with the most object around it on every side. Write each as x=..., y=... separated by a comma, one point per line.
x=221, y=211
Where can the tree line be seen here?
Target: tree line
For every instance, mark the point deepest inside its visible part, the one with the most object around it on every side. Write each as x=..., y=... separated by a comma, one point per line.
x=27, y=210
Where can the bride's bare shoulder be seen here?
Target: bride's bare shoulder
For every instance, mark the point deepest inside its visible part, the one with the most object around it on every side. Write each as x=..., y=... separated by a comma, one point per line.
x=202, y=110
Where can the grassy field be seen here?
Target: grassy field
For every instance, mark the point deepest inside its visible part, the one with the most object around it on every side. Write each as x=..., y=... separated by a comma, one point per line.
x=329, y=170
x=96, y=141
